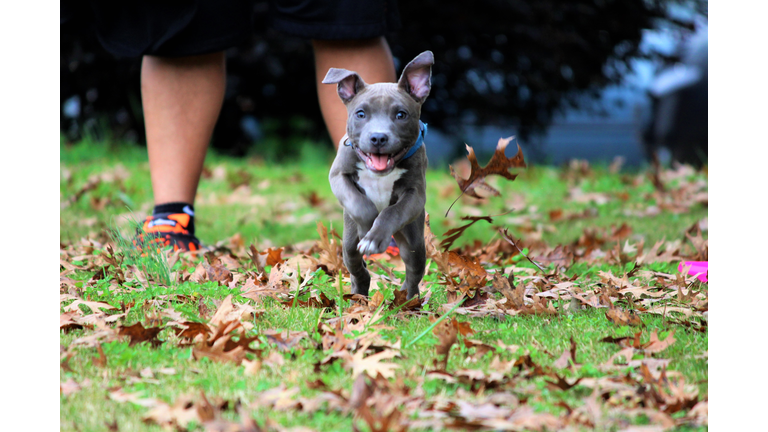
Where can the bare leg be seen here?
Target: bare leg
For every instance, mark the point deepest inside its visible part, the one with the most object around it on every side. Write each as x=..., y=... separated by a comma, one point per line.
x=182, y=98
x=371, y=58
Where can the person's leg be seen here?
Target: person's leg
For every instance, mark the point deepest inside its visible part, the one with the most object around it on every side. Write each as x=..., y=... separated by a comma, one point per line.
x=370, y=58
x=181, y=98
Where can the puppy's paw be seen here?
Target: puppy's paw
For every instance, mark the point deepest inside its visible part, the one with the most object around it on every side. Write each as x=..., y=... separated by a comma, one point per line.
x=373, y=244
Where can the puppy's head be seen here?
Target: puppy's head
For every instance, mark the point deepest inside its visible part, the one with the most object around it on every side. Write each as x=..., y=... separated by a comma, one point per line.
x=383, y=118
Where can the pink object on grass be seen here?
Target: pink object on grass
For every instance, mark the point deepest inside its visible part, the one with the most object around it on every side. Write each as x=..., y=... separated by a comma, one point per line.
x=697, y=267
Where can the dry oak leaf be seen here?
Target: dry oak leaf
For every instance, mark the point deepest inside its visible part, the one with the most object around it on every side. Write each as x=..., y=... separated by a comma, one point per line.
x=624, y=342
x=178, y=415
x=246, y=424
x=219, y=273
x=279, y=398
x=101, y=359
x=229, y=311
x=94, y=339
x=446, y=332
x=453, y=234
x=137, y=333
x=524, y=418
x=361, y=391
x=218, y=351
x=93, y=305
x=498, y=165
x=252, y=368
x=668, y=394
x=380, y=421
x=481, y=348
x=622, y=317
x=620, y=232
x=401, y=299
x=655, y=345
x=376, y=299
x=373, y=364
x=68, y=321
x=619, y=316
x=200, y=274
x=254, y=290
x=284, y=340
x=254, y=256
x=274, y=256
x=515, y=295
x=463, y=327
x=471, y=412
x=331, y=254
x=190, y=330
x=230, y=262
x=670, y=254
x=699, y=414
x=68, y=387
x=569, y=355
x=470, y=266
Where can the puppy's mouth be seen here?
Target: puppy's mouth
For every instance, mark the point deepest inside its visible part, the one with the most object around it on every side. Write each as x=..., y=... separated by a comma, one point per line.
x=380, y=163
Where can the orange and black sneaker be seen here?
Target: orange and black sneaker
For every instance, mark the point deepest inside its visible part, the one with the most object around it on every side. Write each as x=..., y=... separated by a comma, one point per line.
x=392, y=250
x=167, y=229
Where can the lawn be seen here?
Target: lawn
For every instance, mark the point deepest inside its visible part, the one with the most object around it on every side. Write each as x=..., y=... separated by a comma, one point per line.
x=598, y=330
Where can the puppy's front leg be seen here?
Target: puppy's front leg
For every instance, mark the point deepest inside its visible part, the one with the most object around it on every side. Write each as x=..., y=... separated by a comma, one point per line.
x=353, y=259
x=391, y=220
x=356, y=205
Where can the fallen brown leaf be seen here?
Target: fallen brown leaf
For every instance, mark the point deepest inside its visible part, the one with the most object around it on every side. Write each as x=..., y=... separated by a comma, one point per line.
x=218, y=352
x=373, y=364
x=331, y=254
x=191, y=330
x=101, y=359
x=453, y=234
x=567, y=358
x=498, y=165
x=623, y=317
x=137, y=333
x=655, y=345
x=446, y=332
x=219, y=273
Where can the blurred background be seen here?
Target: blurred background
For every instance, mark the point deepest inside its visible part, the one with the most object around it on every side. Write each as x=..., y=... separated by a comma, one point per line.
x=588, y=79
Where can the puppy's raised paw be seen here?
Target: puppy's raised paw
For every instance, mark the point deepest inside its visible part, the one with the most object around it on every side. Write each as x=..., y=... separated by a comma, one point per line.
x=373, y=244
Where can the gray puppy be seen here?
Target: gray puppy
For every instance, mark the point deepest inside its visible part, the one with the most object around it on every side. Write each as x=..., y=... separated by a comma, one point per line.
x=378, y=175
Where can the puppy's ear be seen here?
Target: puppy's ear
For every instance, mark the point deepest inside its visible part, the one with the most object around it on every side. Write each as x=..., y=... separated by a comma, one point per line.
x=416, y=79
x=349, y=83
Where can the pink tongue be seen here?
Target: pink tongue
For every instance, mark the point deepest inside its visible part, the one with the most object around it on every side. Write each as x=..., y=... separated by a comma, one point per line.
x=379, y=162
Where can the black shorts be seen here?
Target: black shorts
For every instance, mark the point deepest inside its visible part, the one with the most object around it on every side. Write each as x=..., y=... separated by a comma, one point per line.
x=180, y=28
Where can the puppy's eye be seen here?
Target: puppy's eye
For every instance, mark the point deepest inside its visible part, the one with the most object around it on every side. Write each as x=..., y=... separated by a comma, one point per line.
x=360, y=114
x=401, y=115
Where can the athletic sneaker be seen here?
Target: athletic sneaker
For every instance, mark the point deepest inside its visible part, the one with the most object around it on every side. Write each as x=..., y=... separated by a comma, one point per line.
x=392, y=250
x=167, y=229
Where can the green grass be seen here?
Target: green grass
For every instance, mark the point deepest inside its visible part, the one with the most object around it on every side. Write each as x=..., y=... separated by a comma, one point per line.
x=275, y=211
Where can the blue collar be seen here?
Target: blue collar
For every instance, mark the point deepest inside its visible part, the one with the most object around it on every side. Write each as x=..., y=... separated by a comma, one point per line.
x=419, y=141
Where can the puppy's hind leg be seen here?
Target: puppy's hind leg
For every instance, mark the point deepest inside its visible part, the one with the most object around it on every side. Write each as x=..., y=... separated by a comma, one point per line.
x=410, y=240
x=353, y=259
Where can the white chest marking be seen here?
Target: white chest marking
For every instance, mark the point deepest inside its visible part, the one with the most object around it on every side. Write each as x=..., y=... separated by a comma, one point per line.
x=378, y=188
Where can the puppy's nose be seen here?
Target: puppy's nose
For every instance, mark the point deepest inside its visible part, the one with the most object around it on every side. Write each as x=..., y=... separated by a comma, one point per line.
x=379, y=139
